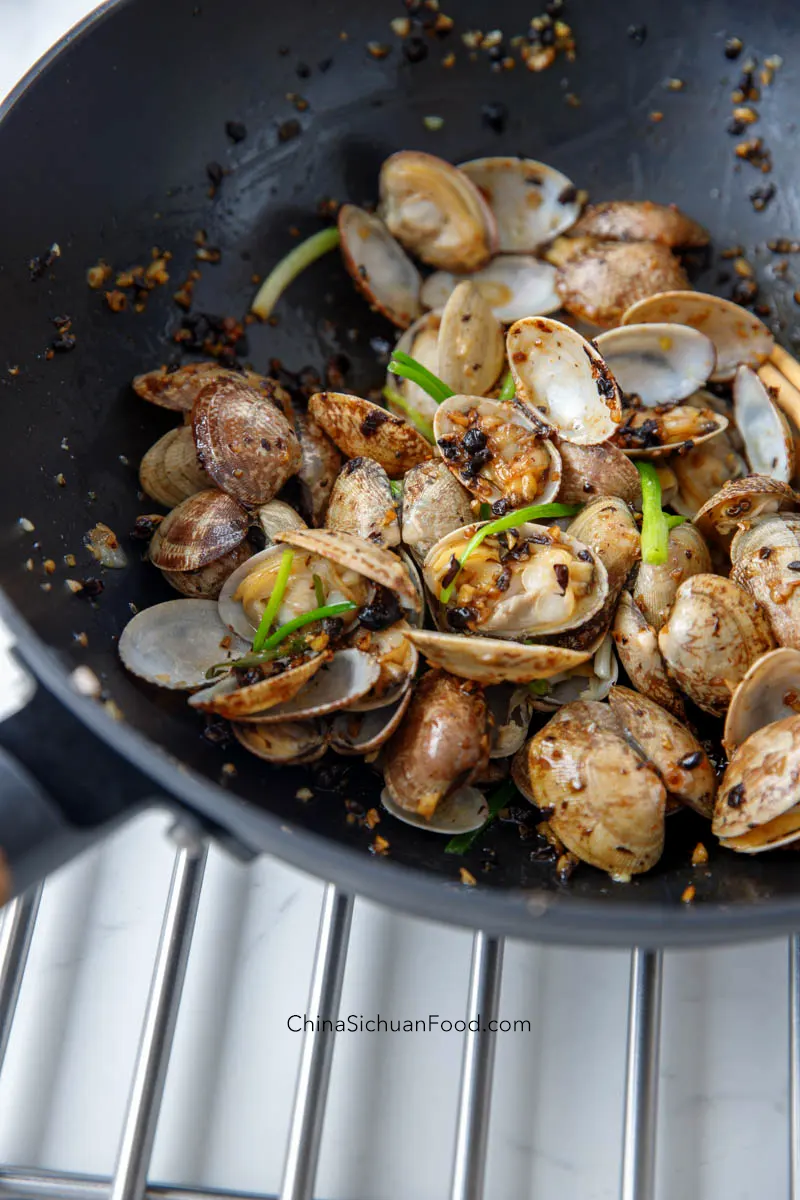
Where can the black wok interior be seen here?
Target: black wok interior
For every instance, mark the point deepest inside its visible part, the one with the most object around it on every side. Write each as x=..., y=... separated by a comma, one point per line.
x=106, y=154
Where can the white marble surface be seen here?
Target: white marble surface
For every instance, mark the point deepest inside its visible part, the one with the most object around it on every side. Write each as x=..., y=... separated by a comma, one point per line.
x=557, y=1112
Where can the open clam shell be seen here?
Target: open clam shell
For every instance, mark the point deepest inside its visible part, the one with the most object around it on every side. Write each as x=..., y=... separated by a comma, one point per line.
x=637, y=647
x=238, y=701
x=493, y=660
x=602, y=284
x=231, y=612
x=275, y=515
x=496, y=451
x=363, y=429
x=765, y=558
x=436, y=212
x=434, y=504
x=362, y=503
x=199, y=531
x=512, y=709
x=421, y=341
x=591, y=680
x=343, y=679
x=471, y=350
x=659, y=363
x=742, y=500
x=702, y=472
x=656, y=584
x=738, y=336
x=756, y=807
x=397, y=660
x=379, y=266
x=770, y=691
x=656, y=432
x=283, y=743
x=173, y=644
x=608, y=527
x=177, y=389
x=354, y=554
x=768, y=442
x=532, y=202
x=513, y=285
x=590, y=471
x=355, y=732
x=463, y=811
x=640, y=221
x=559, y=373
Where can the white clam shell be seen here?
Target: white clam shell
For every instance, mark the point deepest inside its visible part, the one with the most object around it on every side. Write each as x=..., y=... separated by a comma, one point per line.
x=524, y=196
x=514, y=286
x=231, y=612
x=346, y=678
x=768, y=692
x=471, y=349
x=286, y=742
x=379, y=266
x=461, y=812
x=767, y=441
x=173, y=644
x=660, y=363
x=493, y=660
x=738, y=336
x=559, y=372
x=355, y=732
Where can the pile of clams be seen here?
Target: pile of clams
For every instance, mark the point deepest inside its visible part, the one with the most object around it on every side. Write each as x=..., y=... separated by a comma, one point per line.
x=567, y=553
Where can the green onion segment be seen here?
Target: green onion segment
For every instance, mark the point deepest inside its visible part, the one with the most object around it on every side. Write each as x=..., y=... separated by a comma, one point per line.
x=406, y=367
x=655, y=522
x=273, y=604
x=420, y=423
x=287, y=270
x=509, y=389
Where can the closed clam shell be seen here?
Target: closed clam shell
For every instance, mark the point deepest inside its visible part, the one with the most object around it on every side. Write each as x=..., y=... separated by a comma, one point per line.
x=363, y=429
x=362, y=503
x=769, y=692
x=354, y=732
x=421, y=341
x=153, y=478
x=206, y=583
x=715, y=631
x=341, y=680
x=244, y=441
x=602, y=284
x=765, y=557
x=200, y=530
x=669, y=746
x=659, y=363
x=276, y=515
x=436, y=212
x=756, y=806
x=768, y=442
x=282, y=743
x=496, y=451
x=532, y=202
x=655, y=585
x=494, y=660
x=640, y=221
x=637, y=647
x=397, y=660
x=355, y=554
x=558, y=373
x=589, y=471
x=181, y=465
x=607, y=803
x=608, y=527
x=738, y=335
x=471, y=350
x=740, y=501
x=513, y=285
x=231, y=699
x=563, y=249
x=434, y=504
x=178, y=389
x=442, y=742
x=378, y=265
x=656, y=432
x=173, y=644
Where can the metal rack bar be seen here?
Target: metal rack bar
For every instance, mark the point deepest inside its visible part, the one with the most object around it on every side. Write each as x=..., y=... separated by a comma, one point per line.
x=794, y=1068
x=316, y=1056
x=475, y=1097
x=144, y=1103
x=641, y=1076
x=16, y=934
x=38, y=1184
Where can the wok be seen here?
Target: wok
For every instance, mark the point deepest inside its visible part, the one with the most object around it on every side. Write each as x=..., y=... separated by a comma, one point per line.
x=105, y=147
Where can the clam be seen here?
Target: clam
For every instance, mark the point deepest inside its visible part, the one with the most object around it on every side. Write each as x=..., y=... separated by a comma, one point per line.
x=462, y=811
x=608, y=527
x=320, y=461
x=715, y=631
x=362, y=503
x=604, y=800
x=397, y=660
x=355, y=732
x=655, y=432
x=564, y=249
x=434, y=504
x=768, y=442
x=668, y=746
x=363, y=429
x=738, y=336
x=436, y=212
x=421, y=341
x=357, y=557
x=199, y=543
x=494, y=660
x=765, y=558
x=263, y=687
x=658, y=363
x=768, y=692
x=173, y=644
x=756, y=807
x=177, y=388
x=702, y=472
x=441, y=745
x=640, y=221
x=637, y=647
x=532, y=203
x=559, y=373
x=740, y=501
x=525, y=583
x=512, y=709
x=656, y=584
x=275, y=515
x=589, y=471
x=169, y=471
x=592, y=680
x=602, y=284
x=379, y=267
x=282, y=743
x=471, y=351
x=497, y=452
x=514, y=286
x=342, y=680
